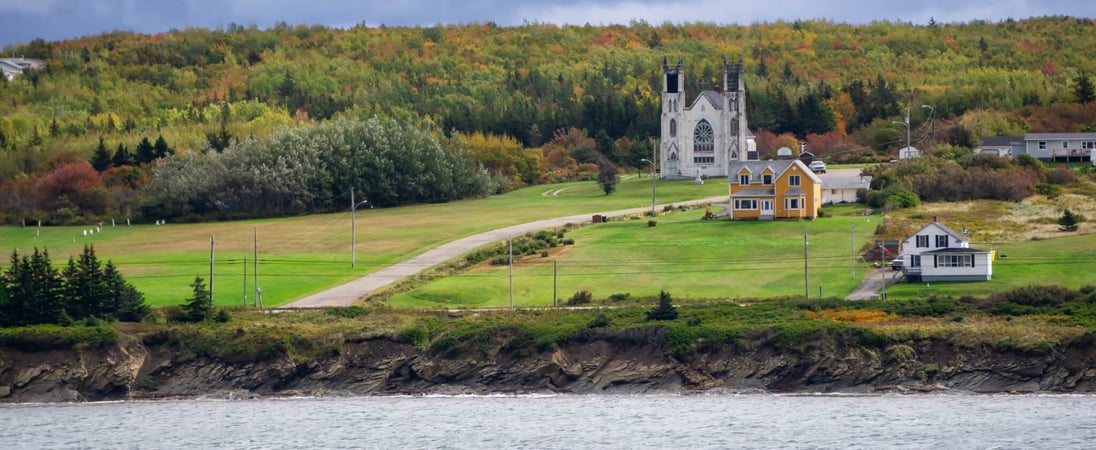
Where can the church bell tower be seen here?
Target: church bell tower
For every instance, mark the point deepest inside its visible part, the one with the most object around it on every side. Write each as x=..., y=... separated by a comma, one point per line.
x=673, y=105
x=734, y=95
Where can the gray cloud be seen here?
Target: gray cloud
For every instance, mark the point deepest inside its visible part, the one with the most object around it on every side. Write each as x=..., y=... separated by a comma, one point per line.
x=23, y=20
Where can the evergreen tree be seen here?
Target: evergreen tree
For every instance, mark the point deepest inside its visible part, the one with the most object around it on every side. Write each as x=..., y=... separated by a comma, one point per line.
x=200, y=306
x=219, y=141
x=84, y=289
x=54, y=130
x=145, y=153
x=1083, y=89
x=33, y=287
x=121, y=157
x=1068, y=221
x=665, y=309
x=124, y=302
x=161, y=149
x=101, y=160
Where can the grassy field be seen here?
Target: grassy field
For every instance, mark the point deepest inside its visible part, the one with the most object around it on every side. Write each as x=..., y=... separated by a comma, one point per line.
x=302, y=255
x=688, y=257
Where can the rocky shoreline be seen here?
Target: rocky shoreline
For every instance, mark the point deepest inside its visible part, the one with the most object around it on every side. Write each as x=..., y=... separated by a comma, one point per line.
x=615, y=362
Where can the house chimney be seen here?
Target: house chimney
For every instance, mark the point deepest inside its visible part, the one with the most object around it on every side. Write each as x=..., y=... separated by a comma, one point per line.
x=934, y=218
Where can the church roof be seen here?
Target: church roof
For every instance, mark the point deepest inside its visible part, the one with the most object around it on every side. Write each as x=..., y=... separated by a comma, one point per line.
x=713, y=97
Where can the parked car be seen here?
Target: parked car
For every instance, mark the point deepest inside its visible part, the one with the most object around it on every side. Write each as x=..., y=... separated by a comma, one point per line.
x=897, y=264
x=818, y=167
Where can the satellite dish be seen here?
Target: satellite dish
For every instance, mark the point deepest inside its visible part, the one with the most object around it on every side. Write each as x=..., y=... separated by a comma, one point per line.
x=784, y=151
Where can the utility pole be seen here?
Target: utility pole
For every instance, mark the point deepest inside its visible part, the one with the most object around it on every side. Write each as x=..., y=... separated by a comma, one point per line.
x=511, y=272
x=255, y=272
x=554, y=277
x=806, y=284
x=353, y=232
x=245, y=280
x=852, y=249
x=211, y=268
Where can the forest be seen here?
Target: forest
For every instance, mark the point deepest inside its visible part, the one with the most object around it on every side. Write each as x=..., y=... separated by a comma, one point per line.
x=248, y=122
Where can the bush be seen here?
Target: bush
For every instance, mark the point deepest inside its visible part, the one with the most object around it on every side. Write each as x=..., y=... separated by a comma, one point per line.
x=582, y=297
x=651, y=223
x=665, y=309
x=1051, y=191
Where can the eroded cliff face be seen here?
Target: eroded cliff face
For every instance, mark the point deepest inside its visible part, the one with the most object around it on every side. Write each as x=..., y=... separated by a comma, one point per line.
x=610, y=362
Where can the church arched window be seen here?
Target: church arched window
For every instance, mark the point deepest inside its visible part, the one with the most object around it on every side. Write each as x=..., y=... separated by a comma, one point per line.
x=703, y=137
x=673, y=128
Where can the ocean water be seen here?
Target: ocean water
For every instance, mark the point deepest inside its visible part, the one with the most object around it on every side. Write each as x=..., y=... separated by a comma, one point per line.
x=718, y=421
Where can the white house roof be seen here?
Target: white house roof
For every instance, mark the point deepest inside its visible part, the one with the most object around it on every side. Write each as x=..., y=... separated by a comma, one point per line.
x=1058, y=136
x=944, y=228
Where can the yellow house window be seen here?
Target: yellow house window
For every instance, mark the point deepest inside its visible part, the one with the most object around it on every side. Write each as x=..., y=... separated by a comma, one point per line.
x=793, y=180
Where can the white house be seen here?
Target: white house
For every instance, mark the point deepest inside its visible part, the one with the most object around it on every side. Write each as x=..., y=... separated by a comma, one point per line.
x=999, y=145
x=938, y=253
x=702, y=138
x=1058, y=147
x=839, y=189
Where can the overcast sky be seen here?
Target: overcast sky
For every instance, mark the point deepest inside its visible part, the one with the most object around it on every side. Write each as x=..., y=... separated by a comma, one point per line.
x=24, y=20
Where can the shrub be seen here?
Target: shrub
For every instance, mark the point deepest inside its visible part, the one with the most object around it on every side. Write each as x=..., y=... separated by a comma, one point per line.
x=600, y=321
x=619, y=297
x=665, y=309
x=652, y=223
x=1051, y=191
x=580, y=298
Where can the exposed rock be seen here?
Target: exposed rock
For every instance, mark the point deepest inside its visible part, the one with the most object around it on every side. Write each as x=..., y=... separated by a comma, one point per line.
x=626, y=362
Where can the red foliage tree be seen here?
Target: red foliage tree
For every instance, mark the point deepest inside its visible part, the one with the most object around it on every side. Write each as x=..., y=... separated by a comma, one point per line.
x=70, y=185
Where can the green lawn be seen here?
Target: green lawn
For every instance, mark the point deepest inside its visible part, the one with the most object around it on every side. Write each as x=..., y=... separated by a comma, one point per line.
x=302, y=255
x=683, y=255
x=1068, y=261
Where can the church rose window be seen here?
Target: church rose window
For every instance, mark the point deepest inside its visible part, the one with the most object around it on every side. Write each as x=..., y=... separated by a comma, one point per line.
x=704, y=137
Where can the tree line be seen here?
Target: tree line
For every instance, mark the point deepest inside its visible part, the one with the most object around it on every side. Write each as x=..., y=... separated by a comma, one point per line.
x=33, y=291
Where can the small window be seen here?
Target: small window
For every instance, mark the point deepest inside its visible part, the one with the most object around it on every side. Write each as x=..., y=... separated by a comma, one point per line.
x=744, y=179
x=1088, y=145
x=673, y=128
x=792, y=203
x=922, y=240
x=767, y=179
x=941, y=241
x=1042, y=145
x=1065, y=144
x=793, y=180
x=915, y=260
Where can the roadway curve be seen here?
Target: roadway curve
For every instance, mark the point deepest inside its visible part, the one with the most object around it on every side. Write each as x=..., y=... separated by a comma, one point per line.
x=349, y=293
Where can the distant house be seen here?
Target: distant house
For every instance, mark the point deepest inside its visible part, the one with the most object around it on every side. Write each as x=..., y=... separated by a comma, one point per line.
x=767, y=190
x=838, y=189
x=13, y=67
x=998, y=145
x=938, y=253
x=909, y=152
x=1057, y=147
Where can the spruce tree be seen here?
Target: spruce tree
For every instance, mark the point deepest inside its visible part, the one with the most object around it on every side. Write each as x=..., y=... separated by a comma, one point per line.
x=1083, y=89
x=200, y=306
x=161, y=148
x=101, y=160
x=122, y=157
x=665, y=309
x=1068, y=221
x=124, y=302
x=145, y=153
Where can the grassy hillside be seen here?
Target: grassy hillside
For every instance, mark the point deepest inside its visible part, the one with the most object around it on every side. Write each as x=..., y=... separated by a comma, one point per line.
x=300, y=255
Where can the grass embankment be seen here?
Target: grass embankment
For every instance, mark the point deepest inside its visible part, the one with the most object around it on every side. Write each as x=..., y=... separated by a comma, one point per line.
x=700, y=259
x=1031, y=320
x=301, y=255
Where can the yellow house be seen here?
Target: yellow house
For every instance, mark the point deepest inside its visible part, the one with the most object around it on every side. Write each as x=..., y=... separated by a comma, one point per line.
x=767, y=190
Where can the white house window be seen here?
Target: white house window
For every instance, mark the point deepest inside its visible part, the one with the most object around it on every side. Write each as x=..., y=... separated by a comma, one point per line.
x=1042, y=145
x=922, y=240
x=767, y=179
x=792, y=203
x=793, y=180
x=954, y=261
x=915, y=260
x=704, y=137
x=745, y=204
x=1065, y=144
x=941, y=241
x=744, y=179
x=1088, y=145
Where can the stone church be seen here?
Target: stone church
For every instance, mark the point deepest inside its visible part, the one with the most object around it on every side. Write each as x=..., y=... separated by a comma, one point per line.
x=701, y=139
